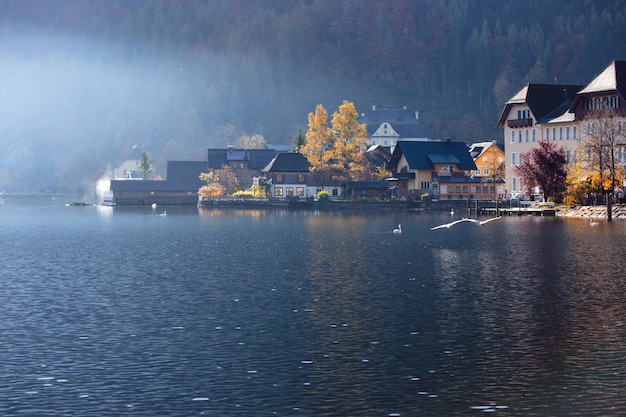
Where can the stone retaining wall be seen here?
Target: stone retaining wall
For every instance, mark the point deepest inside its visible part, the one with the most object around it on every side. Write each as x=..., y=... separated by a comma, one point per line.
x=619, y=211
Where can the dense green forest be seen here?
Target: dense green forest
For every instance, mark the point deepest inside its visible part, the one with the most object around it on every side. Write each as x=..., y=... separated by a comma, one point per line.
x=86, y=80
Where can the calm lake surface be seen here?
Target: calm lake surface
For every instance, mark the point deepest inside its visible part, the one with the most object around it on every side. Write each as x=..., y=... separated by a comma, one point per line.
x=110, y=311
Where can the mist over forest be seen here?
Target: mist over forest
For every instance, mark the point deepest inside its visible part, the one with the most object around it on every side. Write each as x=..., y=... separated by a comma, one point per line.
x=84, y=81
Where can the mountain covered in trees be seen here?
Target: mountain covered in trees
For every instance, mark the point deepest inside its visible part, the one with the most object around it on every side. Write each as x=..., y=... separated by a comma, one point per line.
x=85, y=81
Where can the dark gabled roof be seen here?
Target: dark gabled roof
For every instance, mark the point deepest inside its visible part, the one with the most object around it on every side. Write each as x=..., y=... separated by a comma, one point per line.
x=378, y=116
x=259, y=158
x=185, y=170
x=151, y=185
x=216, y=158
x=543, y=100
x=256, y=158
x=403, y=121
x=367, y=184
x=423, y=155
x=288, y=162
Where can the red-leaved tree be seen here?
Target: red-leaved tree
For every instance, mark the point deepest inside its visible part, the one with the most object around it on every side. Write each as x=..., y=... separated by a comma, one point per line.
x=544, y=166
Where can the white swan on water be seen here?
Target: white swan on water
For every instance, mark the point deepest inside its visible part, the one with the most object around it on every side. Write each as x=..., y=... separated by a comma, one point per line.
x=398, y=230
x=164, y=213
x=592, y=223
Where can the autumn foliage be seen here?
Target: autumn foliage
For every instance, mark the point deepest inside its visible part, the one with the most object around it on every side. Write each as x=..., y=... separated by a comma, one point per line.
x=544, y=166
x=336, y=152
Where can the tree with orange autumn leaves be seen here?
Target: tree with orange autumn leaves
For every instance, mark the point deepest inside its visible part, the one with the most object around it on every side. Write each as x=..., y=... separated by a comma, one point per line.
x=219, y=182
x=336, y=152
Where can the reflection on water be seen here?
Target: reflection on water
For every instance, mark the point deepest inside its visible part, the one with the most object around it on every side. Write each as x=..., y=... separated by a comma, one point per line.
x=119, y=311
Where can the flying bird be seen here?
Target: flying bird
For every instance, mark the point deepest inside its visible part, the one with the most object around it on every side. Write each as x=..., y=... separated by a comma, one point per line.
x=465, y=219
x=449, y=225
x=480, y=223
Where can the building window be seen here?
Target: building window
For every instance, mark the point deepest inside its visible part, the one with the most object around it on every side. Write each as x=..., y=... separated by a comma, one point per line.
x=574, y=131
x=513, y=159
x=512, y=136
x=519, y=137
x=567, y=156
x=534, y=135
x=300, y=179
x=465, y=189
x=526, y=135
x=289, y=191
x=547, y=133
x=514, y=184
x=567, y=133
x=589, y=104
x=485, y=188
x=278, y=191
x=613, y=102
x=560, y=133
x=280, y=178
x=300, y=191
x=458, y=189
x=554, y=133
x=334, y=192
x=477, y=171
x=486, y=171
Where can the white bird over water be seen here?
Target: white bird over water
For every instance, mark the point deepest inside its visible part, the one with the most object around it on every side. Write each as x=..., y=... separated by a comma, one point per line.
x=164, y=213
x=592, y=223
x=477, y=222
x=398, y=230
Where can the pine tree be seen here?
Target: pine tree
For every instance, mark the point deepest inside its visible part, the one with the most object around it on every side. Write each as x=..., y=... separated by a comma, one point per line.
x=144, y=165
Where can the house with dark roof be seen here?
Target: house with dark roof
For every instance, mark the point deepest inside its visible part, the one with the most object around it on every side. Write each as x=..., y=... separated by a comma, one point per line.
x=288, y=175
x=441, y=169
x=245, y=163
x=557, y=112
x=386, y=127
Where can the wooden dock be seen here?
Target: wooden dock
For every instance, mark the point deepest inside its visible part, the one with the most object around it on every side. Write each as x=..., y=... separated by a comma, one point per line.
x=520, y=211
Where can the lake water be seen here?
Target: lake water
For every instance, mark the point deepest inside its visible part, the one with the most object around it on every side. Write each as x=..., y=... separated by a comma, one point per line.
x=109, y=311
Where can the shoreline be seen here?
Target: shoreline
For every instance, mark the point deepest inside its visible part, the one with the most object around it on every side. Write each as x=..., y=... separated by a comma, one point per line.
x=619, y=211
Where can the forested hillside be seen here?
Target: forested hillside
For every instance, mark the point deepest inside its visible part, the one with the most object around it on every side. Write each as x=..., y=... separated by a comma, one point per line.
x=85, y=80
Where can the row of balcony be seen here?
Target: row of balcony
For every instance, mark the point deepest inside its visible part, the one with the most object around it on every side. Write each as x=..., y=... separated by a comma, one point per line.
x=520, y=122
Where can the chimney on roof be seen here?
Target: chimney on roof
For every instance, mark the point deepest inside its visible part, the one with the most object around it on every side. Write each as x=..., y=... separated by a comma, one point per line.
x=373, y=107
x=417, y=115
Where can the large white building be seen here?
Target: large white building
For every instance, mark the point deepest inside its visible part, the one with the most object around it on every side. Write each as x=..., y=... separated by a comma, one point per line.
x=557, y=112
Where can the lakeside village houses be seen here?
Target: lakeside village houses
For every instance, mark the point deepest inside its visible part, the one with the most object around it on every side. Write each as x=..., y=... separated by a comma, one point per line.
x=421, y=166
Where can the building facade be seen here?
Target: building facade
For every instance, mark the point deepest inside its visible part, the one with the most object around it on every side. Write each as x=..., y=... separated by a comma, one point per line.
x=559, y=113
